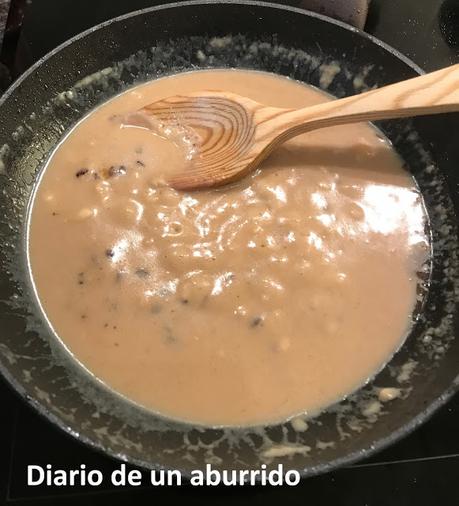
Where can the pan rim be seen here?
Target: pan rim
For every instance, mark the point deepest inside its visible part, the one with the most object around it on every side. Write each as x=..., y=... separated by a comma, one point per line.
x=186, y=3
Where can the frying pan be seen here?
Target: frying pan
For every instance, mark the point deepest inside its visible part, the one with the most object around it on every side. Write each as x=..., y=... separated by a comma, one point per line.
x=96, y=65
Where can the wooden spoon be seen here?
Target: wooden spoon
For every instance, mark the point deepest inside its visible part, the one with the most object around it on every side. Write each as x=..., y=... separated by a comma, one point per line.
x=236, y=133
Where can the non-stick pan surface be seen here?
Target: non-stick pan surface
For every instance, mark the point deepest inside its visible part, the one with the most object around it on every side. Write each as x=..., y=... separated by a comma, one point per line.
x=57, y=92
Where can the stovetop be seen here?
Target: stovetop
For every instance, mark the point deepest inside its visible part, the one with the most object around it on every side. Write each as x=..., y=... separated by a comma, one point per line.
x=421, y=470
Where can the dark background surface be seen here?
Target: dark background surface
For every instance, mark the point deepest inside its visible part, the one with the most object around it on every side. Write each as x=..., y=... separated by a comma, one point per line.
x=421, y=470
x=425, y=30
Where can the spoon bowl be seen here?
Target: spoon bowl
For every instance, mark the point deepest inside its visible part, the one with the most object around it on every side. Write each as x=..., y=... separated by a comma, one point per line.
x=227, y=133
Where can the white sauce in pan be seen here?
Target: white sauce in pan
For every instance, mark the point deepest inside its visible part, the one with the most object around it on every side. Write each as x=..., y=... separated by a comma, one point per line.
x=247, y=304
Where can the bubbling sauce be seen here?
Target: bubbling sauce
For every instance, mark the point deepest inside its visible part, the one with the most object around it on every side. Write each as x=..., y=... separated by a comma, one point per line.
x=247, y=304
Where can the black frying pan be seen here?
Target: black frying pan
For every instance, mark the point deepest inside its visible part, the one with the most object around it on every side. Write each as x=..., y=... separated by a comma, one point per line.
x=51, y=97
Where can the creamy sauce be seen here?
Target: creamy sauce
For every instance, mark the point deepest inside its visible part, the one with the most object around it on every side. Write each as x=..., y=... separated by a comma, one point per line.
x=248, y=304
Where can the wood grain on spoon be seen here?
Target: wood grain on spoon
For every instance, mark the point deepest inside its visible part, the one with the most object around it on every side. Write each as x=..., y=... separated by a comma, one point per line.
x=236, y=133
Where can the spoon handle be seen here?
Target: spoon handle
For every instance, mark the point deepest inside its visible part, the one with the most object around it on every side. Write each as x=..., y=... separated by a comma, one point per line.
x=432, y=93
